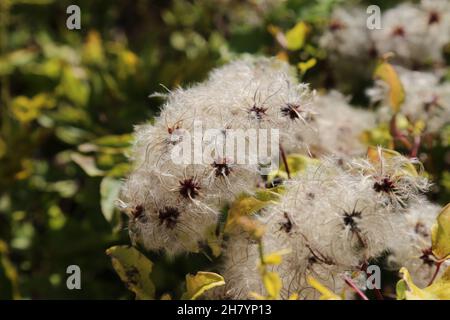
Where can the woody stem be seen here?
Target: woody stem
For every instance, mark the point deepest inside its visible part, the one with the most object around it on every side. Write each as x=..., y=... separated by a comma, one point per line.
x=350, y=283
x=285, y=162
x=438, y=267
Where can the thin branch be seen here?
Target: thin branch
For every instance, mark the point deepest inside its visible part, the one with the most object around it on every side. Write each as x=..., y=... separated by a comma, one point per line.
x=285, y=162
x=438, y=267
x=397, y=135
x=350, y=283
x=416, y=146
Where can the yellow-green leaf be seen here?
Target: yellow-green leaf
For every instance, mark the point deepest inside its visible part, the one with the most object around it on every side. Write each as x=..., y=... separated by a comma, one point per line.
x=439, y=290
x=254, y=228
x=295, y=37
x=109, y=192
x=273, y=284
x=134, y=270
x=327, y=294
x=270, y=194
x=296, y=163
x=275, y=258
x=199, y=283
x=214, y=241
x=378, y=136
x=9, y=270
x=93, y=49
x=243, y=206
x=387, y=73
x=87, y=163
x=376, y=154
x=3, y=148
x=27, y=109
x=306, y=65
x=441, y=287
x=440, y=234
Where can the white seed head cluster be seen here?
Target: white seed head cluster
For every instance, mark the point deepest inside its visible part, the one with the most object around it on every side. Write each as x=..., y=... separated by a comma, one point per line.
x=173, y=206
x=414, y=252
x=333, y=218
x=415, y=33
x=347, y=34
x=426, y=99
x=336, y=128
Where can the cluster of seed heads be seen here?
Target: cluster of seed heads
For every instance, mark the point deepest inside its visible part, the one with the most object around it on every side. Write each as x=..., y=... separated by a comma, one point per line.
x=334, y=217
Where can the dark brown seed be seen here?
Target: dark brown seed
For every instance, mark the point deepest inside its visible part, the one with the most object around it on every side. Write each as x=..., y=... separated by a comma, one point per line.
x=169, y=217
x=434, y=17
x=399, y=31
x=221, y=168
x=189, y=188
x=257, y=112
x=291, y=110
x=385, y=185
x=287, y=225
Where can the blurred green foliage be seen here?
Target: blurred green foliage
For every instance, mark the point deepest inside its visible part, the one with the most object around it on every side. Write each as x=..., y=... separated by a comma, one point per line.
x=69, y=100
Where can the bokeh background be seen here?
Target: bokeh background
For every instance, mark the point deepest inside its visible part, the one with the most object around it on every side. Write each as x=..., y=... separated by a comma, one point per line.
x=69, y=100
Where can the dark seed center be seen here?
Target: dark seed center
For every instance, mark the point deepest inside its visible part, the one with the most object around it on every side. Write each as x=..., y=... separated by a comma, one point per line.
x=434, y=17
x=287, y=225
x=221, y=168
x=349, y=219
x=257, y=112
x=385, y=185
x=168, y=216
x=399, y=31
x=336, y=25
x=138, y=212
x=292, y=111
x=189, y=188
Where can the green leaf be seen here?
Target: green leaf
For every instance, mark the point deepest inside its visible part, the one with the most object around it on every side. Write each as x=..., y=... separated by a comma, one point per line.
x=87, y=163
x=440, y=234
x=117, y=141
x=71, y=135
x=134, y=270
x=73, y=87
x=109, y=192
x=387, y=73
x=15, y=59
x=198, y=284
x=3, y=148
x=36, y=2
x=295, y=37
x=9, y=270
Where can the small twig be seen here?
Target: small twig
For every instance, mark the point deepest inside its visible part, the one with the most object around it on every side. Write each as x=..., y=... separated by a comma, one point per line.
x=284, y=158
x=397, y=135
x=416, y=146
x=438, y=267
x=350, y=283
